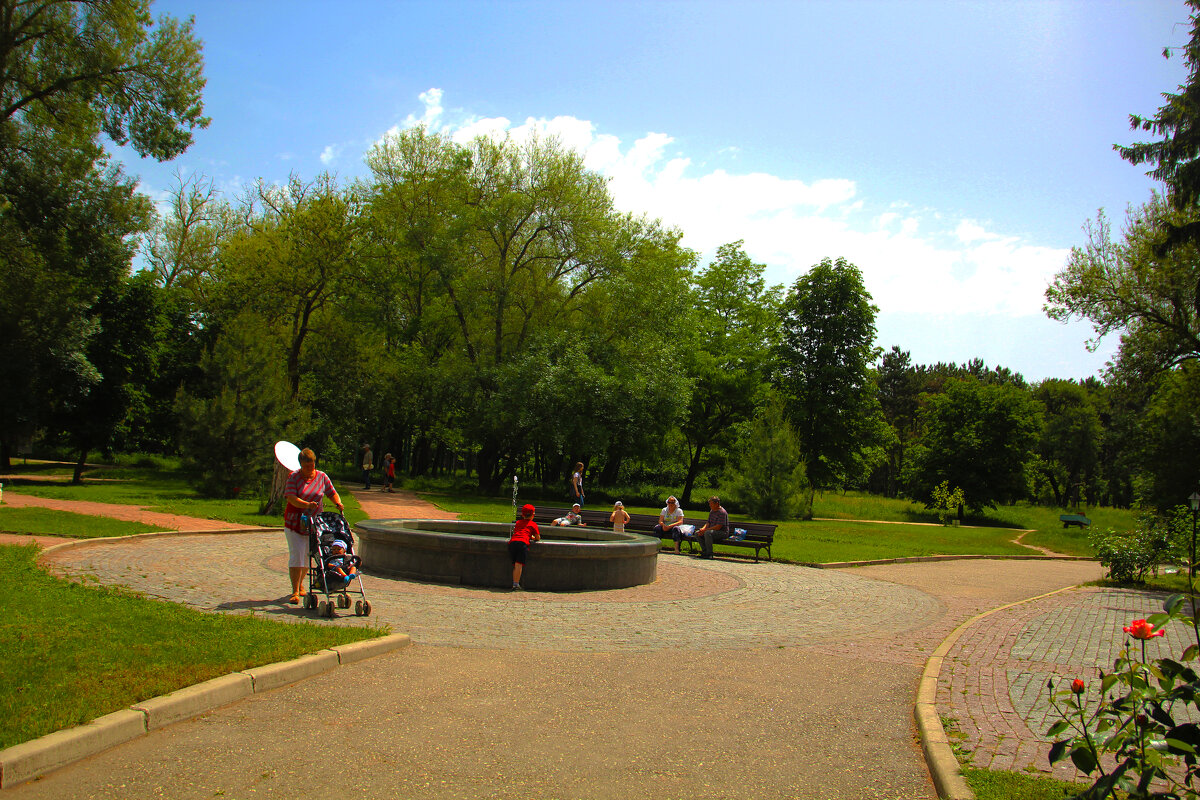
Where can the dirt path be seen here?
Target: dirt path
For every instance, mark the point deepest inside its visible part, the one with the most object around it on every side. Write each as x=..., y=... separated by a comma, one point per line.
x=158, y=519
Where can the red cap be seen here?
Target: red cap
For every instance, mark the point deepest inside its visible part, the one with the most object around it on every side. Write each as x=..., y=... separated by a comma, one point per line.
x=527, y=509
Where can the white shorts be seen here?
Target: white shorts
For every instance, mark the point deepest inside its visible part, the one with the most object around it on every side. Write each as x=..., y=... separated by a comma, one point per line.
x=297, y=548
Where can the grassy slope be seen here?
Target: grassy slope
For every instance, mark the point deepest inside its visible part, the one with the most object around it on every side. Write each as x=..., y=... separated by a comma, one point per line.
x=73, y=653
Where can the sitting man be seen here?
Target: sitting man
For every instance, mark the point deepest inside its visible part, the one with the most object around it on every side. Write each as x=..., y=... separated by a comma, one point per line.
x=669, y=519
x=573, y=517
x=715, y=530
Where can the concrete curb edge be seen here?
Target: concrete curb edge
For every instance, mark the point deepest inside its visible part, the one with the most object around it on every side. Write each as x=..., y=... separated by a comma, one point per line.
x=32, y=759
x=943, y=764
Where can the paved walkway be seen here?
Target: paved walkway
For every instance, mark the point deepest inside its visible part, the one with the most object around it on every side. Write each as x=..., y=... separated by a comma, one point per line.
x=724, y=678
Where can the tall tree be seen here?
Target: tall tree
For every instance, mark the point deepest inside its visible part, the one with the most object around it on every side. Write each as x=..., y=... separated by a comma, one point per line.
x=66, y=238
x=827, y=347
x=82, y=67
x=1137, y=287
x=978, y=437
x=69, y=72
x=1069, y=447
x=899, y=400
x=734, y=324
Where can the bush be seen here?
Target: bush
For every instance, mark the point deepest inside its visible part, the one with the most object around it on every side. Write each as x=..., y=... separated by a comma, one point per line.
x=1157, y=540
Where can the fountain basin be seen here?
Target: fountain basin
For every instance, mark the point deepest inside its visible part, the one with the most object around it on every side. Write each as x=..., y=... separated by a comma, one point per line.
x=476, y=554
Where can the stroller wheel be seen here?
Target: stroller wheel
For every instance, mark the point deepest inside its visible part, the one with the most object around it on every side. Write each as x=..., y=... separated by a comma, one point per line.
x=322, y=608
x=358, y=608
x=343, y=601
x=366, y=608
x=329, y=610
x=310, y=601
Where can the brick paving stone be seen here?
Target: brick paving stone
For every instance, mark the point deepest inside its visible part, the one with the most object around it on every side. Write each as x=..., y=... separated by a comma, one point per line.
x=993, y=681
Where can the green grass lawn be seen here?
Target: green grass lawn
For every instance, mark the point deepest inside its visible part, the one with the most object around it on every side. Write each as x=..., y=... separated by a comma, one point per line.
x=49, y=522
x=73, y=653
x=813, y=542
x=999, y=785
x=157, y=489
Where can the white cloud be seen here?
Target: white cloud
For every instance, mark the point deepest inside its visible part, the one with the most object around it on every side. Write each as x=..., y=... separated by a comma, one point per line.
x=330, y=153
x=913, y=260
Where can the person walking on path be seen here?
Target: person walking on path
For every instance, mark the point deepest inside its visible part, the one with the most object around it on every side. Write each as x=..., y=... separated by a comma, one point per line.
x=304, y=493
x=715, y=530
x=389, y=473
x=525, y=533
x=368, y=464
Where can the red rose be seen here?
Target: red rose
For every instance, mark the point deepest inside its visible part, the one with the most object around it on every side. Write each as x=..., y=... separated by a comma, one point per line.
x=1077, y=686
x=1140, y=629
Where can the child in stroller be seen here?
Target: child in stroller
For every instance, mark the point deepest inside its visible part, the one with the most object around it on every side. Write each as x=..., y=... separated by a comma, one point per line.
x=339, y=566
x=333, y=566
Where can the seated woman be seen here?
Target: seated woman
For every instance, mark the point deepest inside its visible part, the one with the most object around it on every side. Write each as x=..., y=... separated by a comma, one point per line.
x=573, y=517
x=669, y=521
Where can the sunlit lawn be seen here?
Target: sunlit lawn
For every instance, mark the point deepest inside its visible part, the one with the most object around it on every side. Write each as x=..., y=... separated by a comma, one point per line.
x=814, y=542
x=73, y=653
x=49, y=522
x=164, y=490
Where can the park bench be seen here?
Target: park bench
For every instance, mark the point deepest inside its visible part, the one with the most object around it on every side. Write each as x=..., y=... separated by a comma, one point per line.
x=759, y=535
x=1074, y=519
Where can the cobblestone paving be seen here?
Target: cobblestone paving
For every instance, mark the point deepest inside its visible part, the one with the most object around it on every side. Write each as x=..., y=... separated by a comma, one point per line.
x=993, y=681
x=711, y=605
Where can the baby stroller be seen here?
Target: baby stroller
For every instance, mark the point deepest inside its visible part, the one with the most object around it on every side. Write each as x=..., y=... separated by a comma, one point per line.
x=323, y=530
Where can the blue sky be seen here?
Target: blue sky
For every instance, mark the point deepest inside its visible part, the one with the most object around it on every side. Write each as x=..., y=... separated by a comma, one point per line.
x=951, y=150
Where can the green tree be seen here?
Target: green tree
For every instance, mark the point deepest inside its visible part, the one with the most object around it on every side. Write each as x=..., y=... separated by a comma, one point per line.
x=1167, y=452
x=69, y=72
x=733, y=325
x=123, y=353
x=827, y=347
x=979, y=437
x=1069, y=448
x=899, y=399
x=1174, y=156
x=1137, y=287
x=769, y=477
x=242, y=406
x=82, y=67
x=498, y=248
x=66, y=237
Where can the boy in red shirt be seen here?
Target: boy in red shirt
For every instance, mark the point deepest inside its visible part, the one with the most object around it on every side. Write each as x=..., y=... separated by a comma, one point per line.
x=525, y=533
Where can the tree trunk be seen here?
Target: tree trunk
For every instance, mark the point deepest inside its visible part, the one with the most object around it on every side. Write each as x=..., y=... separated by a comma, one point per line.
x=77, y=478
x=612, y=467
x=278, y=485
x=693, y=468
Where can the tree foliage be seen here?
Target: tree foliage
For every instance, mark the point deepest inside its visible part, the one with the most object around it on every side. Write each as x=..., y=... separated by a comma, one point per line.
x=768, y=476
x=83, y=67
x=824, y=357
x=979, y=437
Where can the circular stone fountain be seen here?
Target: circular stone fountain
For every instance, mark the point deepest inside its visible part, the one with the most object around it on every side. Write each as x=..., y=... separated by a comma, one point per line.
x=476, y=553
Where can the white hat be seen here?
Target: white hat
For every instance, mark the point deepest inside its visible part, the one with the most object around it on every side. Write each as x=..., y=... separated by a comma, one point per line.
x=338, y=543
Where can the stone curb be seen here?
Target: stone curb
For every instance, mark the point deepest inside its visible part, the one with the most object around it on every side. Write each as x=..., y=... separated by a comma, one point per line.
x=35, y=758
x=939, y=755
